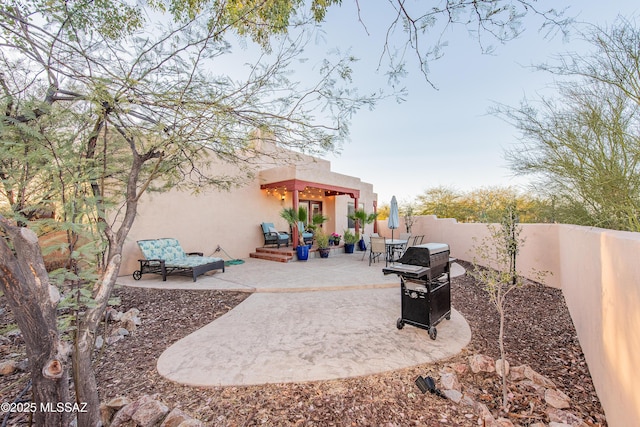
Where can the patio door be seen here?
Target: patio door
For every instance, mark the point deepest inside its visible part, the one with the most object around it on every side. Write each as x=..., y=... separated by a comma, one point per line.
x=313, y=207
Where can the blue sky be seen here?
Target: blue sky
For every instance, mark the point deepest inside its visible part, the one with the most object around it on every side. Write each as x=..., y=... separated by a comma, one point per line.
x=446, y=136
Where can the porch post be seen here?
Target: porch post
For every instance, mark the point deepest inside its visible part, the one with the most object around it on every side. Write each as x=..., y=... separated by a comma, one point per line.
x=355, y=209
x=375, y=210
x=295, y=209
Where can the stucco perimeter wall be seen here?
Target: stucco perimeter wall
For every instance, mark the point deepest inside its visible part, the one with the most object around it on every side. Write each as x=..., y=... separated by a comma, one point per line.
x=538, y=254
x=599, y=273
x=601, y=285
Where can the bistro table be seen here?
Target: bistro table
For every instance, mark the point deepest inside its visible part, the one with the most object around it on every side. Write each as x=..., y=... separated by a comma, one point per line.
x=391, y=245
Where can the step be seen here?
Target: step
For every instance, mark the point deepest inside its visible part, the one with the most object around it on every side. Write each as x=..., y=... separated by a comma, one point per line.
x=273, y=254
x=282, y=251
x=271, y=257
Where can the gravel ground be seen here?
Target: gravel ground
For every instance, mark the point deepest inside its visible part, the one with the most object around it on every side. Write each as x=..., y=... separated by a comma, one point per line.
x=539, y=333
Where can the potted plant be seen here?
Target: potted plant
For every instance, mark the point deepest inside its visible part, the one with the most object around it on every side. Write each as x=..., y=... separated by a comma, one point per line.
x=295, y=218
x=322, y=240
x=335, y=239
x=350, y=240
x=362, y=218
x=316, y=222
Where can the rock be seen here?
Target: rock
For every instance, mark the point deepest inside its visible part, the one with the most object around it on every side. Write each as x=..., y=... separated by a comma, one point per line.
x=106, y=414
x=123, y=416
x=8, y=367
x=449, y=381
x=467, y=401
x=499, y=368
x=503, y=422
x=484, y=414
x=191, y=423
x=460, y=368
x=114, y=339
x=453, y=395
x=557, y=399
x=99, y=342
x=118, y=402
x=517, y=373
x=560, y=416
x=122, y=332
x=178, y=418
x=113, y=315
x=130, y=320
x=150, y=413
x=537, y=378
x=23, y=365
x=481, y=363
x=175, y=418
x=131, y=316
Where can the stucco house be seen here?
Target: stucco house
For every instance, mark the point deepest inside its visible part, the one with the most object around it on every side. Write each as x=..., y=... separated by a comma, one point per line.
x=231, y=219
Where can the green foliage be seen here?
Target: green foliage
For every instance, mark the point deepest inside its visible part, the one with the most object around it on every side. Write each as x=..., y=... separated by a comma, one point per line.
x=319, y=219
x=296, y=219
x=293, y=216
x=350, y=238
x=322, y=239
x=481, y=205
x=583, y=145
x=362, y=218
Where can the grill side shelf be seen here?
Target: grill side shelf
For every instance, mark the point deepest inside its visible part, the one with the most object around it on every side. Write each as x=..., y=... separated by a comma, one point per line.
x=412, y=271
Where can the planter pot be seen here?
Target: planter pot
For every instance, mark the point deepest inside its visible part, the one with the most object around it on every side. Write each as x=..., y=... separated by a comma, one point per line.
x=348, y=248
x=362, y=245
x=324, y=252
x=302, y=252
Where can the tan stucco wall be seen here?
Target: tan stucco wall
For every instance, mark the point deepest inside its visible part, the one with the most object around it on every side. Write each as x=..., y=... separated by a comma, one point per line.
x=539, y=253
x=232, y=219
x=599, y=274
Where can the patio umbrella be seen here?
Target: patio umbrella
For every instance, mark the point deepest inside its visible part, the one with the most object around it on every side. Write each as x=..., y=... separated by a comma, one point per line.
x=394, y=216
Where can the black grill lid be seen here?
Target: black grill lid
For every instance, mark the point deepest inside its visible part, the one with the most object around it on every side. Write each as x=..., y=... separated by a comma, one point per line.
x=420, y=255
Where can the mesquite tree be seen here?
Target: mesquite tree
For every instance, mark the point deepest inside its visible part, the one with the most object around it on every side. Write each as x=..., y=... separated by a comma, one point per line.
x=101, y=110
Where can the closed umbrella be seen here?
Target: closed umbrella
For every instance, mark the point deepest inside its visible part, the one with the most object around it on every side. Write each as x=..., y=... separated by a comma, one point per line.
x=394, y=216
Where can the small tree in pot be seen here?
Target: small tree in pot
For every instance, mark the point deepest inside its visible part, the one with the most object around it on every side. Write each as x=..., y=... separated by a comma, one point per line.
x=362, y=218
x=350, y=240
x=322, y=239
x=297, y=219
x=294, y=218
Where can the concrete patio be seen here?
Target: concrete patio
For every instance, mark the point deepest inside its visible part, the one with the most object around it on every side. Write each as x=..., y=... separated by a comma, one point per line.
x=305, y=321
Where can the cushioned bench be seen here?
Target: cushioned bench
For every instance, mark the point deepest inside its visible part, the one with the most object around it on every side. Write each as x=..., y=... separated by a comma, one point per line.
x=166, y=256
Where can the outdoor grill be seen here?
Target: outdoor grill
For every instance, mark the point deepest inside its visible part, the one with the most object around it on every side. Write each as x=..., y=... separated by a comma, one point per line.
x=425, y=280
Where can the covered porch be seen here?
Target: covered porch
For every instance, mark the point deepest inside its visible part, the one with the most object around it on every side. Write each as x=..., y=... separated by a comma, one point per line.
x=330, y=194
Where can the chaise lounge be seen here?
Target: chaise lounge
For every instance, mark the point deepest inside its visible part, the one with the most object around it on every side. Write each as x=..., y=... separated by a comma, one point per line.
x=165, y=256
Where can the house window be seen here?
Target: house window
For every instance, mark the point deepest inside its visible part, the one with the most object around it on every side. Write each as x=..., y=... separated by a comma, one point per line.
x=350, y=211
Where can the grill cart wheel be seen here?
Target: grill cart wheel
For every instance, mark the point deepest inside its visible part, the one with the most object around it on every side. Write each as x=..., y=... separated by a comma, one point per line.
x=448, y=316
x=400, y=323
x=433, y=333
x=137, y=275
